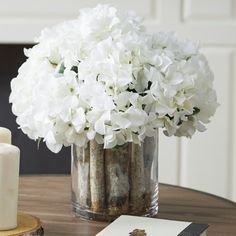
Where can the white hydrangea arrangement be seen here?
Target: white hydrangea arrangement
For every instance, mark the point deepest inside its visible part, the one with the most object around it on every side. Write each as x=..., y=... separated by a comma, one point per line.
x=103, y=77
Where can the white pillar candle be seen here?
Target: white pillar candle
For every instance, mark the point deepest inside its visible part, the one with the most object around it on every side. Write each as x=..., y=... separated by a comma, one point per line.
x=5, y=135
x=9, y=179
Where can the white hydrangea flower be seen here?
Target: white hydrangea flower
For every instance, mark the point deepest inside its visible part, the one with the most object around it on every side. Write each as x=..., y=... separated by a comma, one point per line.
x=102, y=77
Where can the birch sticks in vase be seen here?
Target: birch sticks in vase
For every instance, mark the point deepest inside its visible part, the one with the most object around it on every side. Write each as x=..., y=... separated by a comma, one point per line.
x=111, y=182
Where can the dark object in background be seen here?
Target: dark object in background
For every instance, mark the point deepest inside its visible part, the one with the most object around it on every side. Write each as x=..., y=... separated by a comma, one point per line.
x=33, y=160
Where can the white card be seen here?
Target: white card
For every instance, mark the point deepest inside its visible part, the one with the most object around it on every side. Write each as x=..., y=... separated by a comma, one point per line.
x=126, y=224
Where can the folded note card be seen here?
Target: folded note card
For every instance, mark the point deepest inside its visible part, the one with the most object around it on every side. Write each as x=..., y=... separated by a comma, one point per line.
x=144, y=226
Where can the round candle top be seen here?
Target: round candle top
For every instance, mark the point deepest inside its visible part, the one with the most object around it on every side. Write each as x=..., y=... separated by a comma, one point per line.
x=8, y=149
x=5, y=135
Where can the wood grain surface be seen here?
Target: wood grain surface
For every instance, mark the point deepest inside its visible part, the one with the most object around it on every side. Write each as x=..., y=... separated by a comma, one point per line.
x=48, y=197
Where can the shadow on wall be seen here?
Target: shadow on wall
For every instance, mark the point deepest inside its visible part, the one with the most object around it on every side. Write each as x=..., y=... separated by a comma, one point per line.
x=33, y=160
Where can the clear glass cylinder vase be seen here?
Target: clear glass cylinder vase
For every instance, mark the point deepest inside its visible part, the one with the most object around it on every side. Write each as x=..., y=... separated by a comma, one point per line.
x=107, y=183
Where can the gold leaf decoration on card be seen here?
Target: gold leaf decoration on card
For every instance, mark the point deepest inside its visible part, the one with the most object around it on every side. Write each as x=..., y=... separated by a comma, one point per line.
x=138, y=232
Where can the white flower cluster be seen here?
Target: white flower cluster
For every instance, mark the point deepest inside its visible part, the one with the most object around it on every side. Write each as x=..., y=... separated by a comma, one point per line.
x=103, y=77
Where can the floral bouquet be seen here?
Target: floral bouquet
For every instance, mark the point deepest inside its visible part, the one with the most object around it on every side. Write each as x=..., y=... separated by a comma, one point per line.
x=101, y=82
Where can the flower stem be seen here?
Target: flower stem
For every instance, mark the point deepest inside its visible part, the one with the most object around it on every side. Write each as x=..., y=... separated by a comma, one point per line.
x=97, y=180
x=117, y=179
x=137, y=180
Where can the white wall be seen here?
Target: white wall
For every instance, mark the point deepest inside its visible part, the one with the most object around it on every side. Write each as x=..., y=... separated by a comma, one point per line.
x=207, y=161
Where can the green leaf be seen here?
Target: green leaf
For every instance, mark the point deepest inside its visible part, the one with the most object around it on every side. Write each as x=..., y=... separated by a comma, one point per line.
x=196, y=110
x=75, y=69
x=62, y=68
x=117, y=147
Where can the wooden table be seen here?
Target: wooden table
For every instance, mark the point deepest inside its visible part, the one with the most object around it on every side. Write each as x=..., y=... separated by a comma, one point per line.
x=48, y=197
